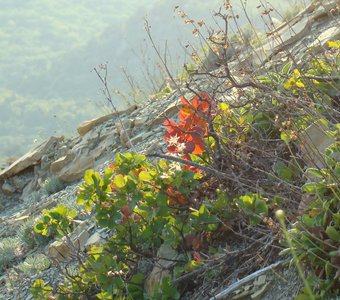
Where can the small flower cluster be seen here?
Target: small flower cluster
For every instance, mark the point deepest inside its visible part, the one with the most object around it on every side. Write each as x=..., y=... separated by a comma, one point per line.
x=187, y=137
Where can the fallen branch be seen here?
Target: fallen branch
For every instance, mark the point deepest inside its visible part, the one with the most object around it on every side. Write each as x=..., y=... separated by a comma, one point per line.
x=246, y=279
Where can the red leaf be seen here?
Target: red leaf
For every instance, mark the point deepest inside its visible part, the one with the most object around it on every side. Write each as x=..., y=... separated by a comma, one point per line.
x=199, y=148
x=126, y=211
x=170, y=124
x=185, y=112
x=197, y=256
x=184, y=101
x=175, y=197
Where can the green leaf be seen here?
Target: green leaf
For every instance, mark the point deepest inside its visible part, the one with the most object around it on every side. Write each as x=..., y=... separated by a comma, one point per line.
x=246, y=201
x=72, y=213
x=308, y=221
x=302, y=297
x=285, y=137
x=144, y=176
x=315, y=172
x=313, y=187
x=264, y=79
x=46, y=218
x=261, y=207
x=254, y=220
x=286, y=68
x=104, y=296
x=328, y=269
x=224, y=106
x=119, y=181
x=39, y=227
x=88, y=176
x=168, y=291
x=333, y=233
x=336, y=218
x=283, y=171
x=108, y=174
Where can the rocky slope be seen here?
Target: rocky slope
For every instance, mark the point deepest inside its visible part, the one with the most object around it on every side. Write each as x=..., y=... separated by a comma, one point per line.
x=51, y=173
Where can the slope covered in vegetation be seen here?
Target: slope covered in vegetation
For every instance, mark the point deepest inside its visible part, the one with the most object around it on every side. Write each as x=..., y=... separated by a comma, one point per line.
x=239, y=198
x=48, y=50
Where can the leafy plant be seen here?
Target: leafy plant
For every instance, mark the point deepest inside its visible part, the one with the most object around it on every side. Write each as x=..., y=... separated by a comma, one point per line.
x=254, y=206
x=52, y=185
x=28, y=237
x=41, y=291
x=56, y=220
x=315, y=237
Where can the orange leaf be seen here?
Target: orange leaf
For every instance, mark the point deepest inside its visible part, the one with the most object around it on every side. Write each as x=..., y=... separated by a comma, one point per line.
x=175, y=197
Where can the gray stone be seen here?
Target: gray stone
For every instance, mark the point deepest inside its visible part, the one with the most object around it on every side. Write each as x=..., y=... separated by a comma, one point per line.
x=166, y=259
x=94, y=240
x=168, y=113
x=65, y=249
x=8, y=188
x=140, y=122
x=89, y=125
x=332, y=33
x=20, y=181
x=281, y=39
x=31, y=158
x=313, y=143
x=57, y=165
x=75, y=169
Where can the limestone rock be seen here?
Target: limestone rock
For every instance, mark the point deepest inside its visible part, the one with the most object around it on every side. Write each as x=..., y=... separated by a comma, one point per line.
x=83, y=155
x=31, y=158
x=169, y=112
x=74, y=170
x=63, y=251
x=57, y=165
x=124, y=130
x=167, y=257
x=95, y=239
x=330, y=34
x=326, y=8
x=140, y=122
x=89, y=125
x=29, y=189
x=19, y=182
x=140, y=137
x=8, y=188
x=281, y=39
x=314, y=141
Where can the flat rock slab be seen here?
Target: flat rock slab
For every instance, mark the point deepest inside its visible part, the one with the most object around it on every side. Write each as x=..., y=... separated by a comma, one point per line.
x=88, y=125
x=330, y=34
x=31, y=158
x=280, y=39
x=314, y=141
x=75, y=169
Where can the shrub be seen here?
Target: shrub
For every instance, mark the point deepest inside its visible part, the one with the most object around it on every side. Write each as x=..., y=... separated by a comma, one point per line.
x=34, y=264
x=52, y=185
x=28, y=237
x=57, y=220
x=9, y=248
x=315, y=237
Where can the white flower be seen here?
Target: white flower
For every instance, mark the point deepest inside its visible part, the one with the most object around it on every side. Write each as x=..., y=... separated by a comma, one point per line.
x=173, y=140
